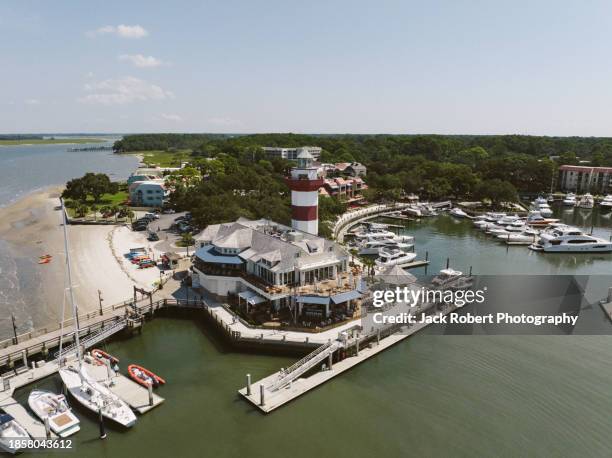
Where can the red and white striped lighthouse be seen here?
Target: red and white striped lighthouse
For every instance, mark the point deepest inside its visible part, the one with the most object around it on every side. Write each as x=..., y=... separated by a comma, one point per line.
x=304, y=183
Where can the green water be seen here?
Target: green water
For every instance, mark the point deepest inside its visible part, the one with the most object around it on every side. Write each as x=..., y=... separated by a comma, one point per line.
x=429, y=395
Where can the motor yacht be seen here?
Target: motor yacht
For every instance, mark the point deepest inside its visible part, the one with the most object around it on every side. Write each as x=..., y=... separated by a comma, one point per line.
x=374, y=234
x=570, y=240
x=373, y=246
x=606, y=203
x=535, y=218
x=569, y=200
x=10, y=433
x=46, y=404
x=458, y=213
x=449, y=276
x=586, y=201
x=525, y=237
x=541, y=205
x=389, y=258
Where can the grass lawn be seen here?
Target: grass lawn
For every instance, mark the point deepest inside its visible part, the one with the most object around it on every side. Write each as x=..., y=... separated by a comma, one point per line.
x=49, y=141
x=164, y=158
x=106, y=200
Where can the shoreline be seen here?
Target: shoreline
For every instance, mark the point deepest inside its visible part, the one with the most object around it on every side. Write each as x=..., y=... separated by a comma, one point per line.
x=31, y=227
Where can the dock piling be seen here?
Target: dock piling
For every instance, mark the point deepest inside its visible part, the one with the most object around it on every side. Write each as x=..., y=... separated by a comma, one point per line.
x=101, y=421
x=150, y=390
x=330, y=359
x=262, y=398
x=609, y=294
x=24, y=356
x=248, y=384
x=47, y=428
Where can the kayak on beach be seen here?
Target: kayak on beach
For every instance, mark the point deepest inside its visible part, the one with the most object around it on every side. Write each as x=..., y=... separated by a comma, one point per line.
x=144, y=376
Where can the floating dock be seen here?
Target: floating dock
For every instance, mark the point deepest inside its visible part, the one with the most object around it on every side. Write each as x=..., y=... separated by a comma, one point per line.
x=136, y=395
x=272, y=392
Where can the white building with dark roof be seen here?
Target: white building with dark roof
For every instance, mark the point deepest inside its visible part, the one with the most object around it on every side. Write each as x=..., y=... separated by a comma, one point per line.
x=264, y=263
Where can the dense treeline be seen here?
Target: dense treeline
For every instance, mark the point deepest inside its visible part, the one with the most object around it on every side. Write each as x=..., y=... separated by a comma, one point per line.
x=241, y=181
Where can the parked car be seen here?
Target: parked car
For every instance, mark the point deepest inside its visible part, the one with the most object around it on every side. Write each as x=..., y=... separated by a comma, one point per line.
x=153, y=237
x=151, y=216
x=168, y=211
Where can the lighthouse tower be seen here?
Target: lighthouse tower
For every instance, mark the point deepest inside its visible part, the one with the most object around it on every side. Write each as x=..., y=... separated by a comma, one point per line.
x=304, y=183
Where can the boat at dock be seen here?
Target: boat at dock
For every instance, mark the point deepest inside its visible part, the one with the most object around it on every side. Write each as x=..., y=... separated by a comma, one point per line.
x=541, y=206
x=570, y=240
x=102, y=357
x=389, y=258
x=586, y=201
x=535, y=218
x=569, y=200
x=144, y=376
x=606, y=203
x=374, y=246
x=458, y=213
x=85, y=389
x=11, y=431
x=55, y=408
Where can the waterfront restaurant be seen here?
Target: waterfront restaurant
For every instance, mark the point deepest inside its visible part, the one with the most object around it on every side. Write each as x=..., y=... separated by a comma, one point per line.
x=271, y=272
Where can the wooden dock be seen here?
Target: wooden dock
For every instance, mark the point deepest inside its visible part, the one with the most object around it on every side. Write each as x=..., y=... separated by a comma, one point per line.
x=131, y=392
x=273, y=399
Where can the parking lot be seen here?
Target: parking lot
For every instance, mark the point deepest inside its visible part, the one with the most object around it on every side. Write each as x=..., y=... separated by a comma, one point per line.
x=166, y=228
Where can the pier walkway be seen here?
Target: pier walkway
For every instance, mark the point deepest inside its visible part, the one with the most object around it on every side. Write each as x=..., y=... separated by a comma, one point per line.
x=285, y=385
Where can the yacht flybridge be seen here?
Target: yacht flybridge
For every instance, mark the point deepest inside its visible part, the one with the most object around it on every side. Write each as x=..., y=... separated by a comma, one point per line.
x=389, y=258
x=541, y=206
x=566, y=239
x=586, y=201
x=87, y=391
x=569, y=200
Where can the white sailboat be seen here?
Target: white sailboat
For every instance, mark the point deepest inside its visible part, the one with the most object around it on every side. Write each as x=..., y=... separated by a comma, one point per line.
x=48, y=405
x=86, y=390
x=11, y=433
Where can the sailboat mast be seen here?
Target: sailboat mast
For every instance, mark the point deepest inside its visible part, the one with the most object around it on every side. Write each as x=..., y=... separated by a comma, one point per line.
x=75, y=309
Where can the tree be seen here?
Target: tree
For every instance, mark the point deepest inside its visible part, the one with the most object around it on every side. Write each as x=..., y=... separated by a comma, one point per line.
x=81, y=210
x=94, y=209
x=115, y=209
x=187, y=239
x=75, y=190
x=97, y=184
x=496, y=191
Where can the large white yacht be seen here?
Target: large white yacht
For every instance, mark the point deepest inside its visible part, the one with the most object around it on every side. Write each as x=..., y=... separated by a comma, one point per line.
x=541, y=206
x=606, y=203
x=566, y=239
x=458, y=213
x=373, y=246
x=389, y=258
x=11, y=433
x=374, y=234
x=586, y=201
x=46, y=404
x=569, y=200
x=525, y=237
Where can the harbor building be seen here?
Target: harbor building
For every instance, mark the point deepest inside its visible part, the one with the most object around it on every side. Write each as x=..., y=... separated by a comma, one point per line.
x=578, y=178
x=304, y=182
x=349, y=189
x=273, y=272
x=292, y=153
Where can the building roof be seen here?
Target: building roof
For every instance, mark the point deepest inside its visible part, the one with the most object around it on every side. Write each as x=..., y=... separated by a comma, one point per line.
x=585, y=168
x=304, y=154
x=264, y=240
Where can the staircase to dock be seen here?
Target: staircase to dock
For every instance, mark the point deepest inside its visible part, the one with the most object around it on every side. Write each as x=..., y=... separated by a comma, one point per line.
x=304, y=365
x=94, y=338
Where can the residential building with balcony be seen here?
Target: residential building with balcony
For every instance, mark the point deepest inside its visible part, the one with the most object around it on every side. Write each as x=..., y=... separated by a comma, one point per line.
x=578, y=178
x=292, y=153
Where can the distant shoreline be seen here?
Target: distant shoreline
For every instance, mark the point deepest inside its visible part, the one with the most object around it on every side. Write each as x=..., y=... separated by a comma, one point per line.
x=49, y=141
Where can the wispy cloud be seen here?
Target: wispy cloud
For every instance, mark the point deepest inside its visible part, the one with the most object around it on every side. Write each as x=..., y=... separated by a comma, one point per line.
x=121, y=30
x=171, y=117
x=122, y=91
x=224, y=121
x=138, y=60
x=32, y=102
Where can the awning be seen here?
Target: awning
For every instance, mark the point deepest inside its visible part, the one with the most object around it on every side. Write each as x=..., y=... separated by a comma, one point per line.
x=322, y=300
x=343, y=297
x=251, y=298
x=209, y=254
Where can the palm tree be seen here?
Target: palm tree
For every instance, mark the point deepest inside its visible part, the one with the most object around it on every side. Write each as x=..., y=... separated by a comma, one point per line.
x=81, y=210
x=353, y=252
x=130, y=215
x=369, y=263
x=105, y=210
x=94, y=209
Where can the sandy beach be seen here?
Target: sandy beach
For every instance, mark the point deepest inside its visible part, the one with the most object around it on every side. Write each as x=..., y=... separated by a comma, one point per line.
x=32, y=227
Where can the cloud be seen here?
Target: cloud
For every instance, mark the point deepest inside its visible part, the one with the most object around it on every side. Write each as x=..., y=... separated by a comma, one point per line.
x=171, y=117
x=123, y=31
x=123, y=91
x=223, y=121
x=32, y=102
x=141, y=61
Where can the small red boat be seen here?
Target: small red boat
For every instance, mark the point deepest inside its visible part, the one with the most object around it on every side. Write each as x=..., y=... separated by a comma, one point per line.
x=144, y=376
x=102, y=357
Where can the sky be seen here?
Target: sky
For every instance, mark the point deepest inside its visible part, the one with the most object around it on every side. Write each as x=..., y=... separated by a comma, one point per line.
x=447, y=67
